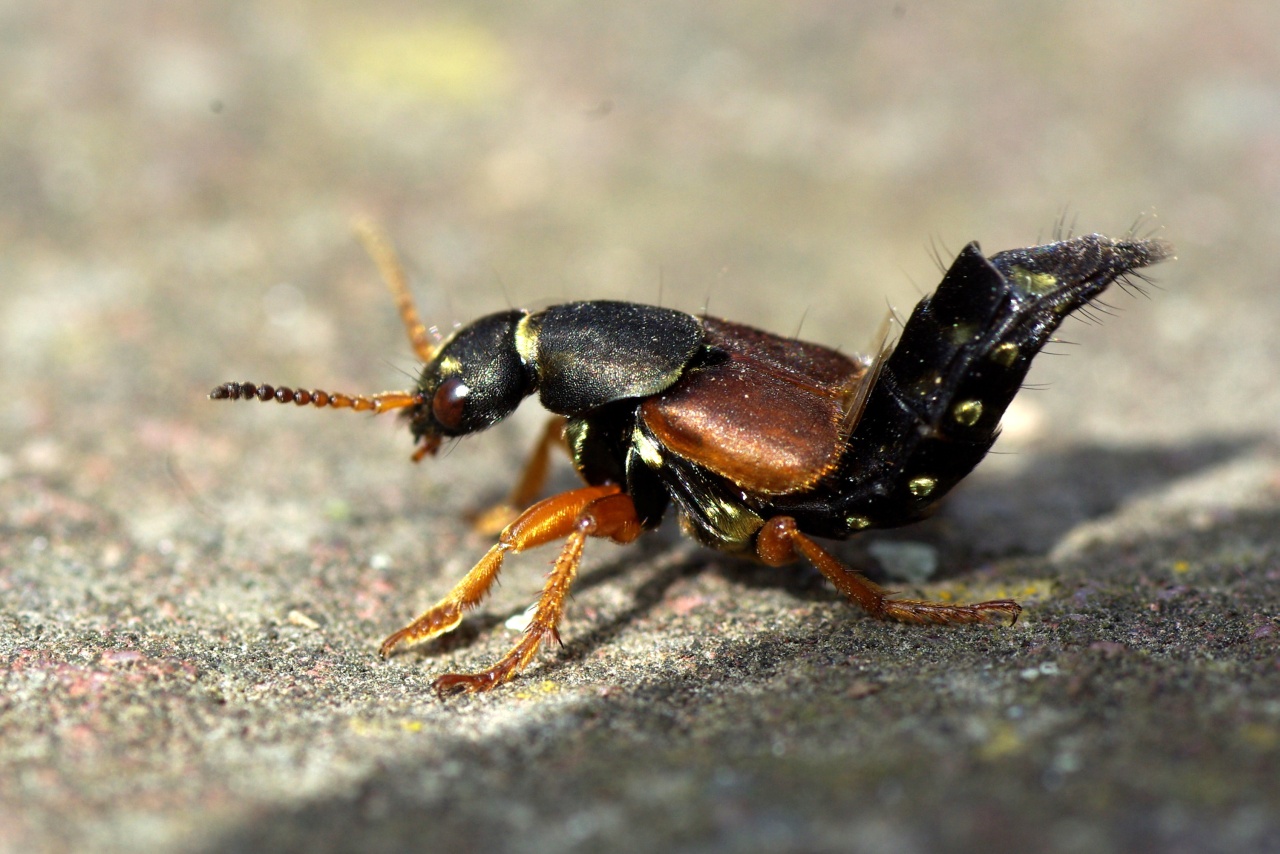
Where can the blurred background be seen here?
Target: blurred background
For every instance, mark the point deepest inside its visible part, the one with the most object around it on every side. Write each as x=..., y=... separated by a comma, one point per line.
x=177, y=183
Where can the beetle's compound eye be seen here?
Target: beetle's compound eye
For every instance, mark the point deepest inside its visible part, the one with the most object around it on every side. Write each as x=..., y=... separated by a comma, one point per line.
x=449, y=402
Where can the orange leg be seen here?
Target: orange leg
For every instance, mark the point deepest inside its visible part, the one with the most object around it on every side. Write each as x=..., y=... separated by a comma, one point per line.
x=594, y=511
x=493, y=519
x=780, y=541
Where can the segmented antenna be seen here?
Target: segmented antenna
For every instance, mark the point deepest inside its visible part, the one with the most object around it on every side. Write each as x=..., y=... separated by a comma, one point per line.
x=379, y=249
x=385, y=257
x=376, y=403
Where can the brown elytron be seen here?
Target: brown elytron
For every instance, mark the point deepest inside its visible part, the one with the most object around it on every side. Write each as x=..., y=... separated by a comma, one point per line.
x=760, y=442
x=813, y=385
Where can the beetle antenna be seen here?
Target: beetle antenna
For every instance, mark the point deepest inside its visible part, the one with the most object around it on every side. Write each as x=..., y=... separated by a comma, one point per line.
x=376, y=403
x=379, y=248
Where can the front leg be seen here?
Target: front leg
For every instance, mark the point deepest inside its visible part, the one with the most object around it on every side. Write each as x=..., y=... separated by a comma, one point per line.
x=545, y=522
x=593, y=511
x=493, y=519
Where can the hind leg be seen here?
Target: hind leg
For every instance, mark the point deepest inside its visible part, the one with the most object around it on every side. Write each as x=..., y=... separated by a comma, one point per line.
x=780, y=542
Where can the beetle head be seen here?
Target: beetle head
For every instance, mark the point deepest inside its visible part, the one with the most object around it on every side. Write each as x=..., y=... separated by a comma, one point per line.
x=475, y=379
x=472, y=381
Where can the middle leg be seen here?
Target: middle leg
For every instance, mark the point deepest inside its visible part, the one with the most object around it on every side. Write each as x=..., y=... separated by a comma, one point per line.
x=493, y=519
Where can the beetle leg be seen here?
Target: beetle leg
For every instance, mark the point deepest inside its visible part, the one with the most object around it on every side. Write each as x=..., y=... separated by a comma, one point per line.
x=492, y=520
x=780, y=541
x=611, y=515
x=545, y=522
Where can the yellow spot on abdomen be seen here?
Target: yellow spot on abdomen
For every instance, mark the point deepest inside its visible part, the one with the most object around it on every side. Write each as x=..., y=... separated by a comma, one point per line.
x=1037, y=284
x=967, y=412
x=1005, y=355
x=922, y=487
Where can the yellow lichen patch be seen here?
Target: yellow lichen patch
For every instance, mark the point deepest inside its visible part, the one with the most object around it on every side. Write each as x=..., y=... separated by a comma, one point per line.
x=373, y=728
x=542, y=689
x=442, y=61
x=1029, y=590
x=361, y=726
x=1033, y=588
x=1260, y=736
x=337, y=510
x=1004, y=741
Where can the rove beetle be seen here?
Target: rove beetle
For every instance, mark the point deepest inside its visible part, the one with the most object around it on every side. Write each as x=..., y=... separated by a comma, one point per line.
x=761, y=442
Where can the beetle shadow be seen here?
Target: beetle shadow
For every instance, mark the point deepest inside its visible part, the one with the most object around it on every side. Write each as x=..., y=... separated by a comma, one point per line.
x=521, y=759
x=1030, y=510
x=989, y=517
x=486, y=618
x=647, y=596
x=1024, y=512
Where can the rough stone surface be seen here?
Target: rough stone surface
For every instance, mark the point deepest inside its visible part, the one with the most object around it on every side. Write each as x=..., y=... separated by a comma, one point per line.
x=191, y=594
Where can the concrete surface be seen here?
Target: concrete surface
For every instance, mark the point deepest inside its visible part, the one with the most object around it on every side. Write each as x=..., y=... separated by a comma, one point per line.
x=191, y=594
